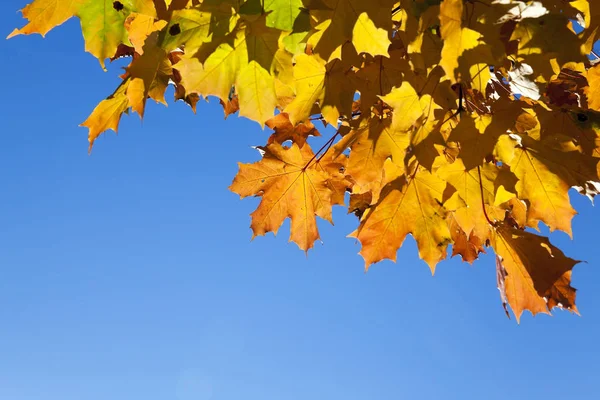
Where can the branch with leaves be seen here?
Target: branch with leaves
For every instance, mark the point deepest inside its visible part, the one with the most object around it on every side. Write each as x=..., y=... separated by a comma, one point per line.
x=459, y=122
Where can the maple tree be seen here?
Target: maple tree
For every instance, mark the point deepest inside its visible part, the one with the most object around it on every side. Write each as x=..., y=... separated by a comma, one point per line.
x=459, y=122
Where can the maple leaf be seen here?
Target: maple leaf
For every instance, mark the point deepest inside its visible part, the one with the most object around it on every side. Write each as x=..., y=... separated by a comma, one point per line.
x=593, y=92
x=460, y=42
x=107, y=114
x=139, y=27
x=545, y=176
x=45, y=15
x=285, y=130
x=538, y=274
x=567, y=130
x=378, y=78
x=538, y=49
x=406, y=104
x=317, y=82
x=288, y=188
x=363, y=23
x=467, y=246
x=192, y=27
x=102, y=21
x=371, y=144
x=478, y=134
x=282, y=13
x=479, y=189
x=149, y=77
x=103, y=24
x=251, y=62
x=407, y=205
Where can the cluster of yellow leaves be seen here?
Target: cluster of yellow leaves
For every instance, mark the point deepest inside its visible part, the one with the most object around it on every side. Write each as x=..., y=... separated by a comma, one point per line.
x=459, y=122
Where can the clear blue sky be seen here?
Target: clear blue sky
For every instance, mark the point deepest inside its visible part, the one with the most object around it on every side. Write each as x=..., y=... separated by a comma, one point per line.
x=129, y=274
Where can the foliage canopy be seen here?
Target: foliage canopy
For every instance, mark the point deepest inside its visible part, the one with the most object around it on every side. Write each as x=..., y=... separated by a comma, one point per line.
x=460, y=122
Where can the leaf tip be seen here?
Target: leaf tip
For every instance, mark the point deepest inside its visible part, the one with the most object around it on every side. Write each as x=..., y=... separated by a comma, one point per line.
x=14, y=33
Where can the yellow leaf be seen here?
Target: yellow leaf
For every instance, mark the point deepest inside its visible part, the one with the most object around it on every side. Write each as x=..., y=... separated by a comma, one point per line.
x=107, y=114
x=546, y=192
x=406, y=104
x=103, y=24
x=150, y=74
x=287, y=190
x=284, y=130
x=468, y=246
x=477, y=135
x=371, y=144
x=250, y=62
x=44, y=15
x=593, y=93
x=317, y=82
x=407, y=205
x=217, y=74
x=368, y=38
x=193, y=27
x=538, y=274
x=139, y=27
x=256, y=91
x=363, y=23
x=379, y=77
x=476, y=187
x=461, y=45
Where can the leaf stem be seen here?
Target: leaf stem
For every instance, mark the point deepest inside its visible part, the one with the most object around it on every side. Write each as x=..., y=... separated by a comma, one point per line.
x=460, y=108
x=487, y=217
x=323, y=149
x=380, y=88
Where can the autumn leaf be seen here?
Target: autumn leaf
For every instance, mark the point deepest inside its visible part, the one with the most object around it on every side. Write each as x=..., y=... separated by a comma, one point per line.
x=479, y=189
x=149, y=77
x=467, y=246
x=251, y=62
x=139, y=27
x=593, y=92
x=538, y=275
x=290, y=186
x=107, y=114
x=285, y=130
x=460, y=42
x=282, y=13
x=408, y=205
x=102, y=21
x=379, y=76
x=405, y=102
x=45, y=15
x=321, y=83
x=192, y=27
x=363, y=23
x=545, y=176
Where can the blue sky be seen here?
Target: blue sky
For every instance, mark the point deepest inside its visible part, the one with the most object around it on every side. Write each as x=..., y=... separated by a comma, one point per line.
x=130, y=274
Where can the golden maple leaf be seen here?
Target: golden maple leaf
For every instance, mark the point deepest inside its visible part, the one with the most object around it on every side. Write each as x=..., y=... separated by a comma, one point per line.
x=407, y=205
x=538, y=274
x=291, y=184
